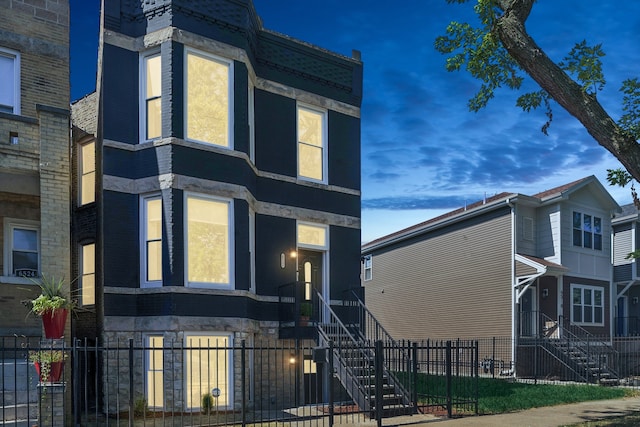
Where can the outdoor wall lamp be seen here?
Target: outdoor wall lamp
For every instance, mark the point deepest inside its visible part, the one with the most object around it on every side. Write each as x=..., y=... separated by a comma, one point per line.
x=545, y=293
x=634, y=300
x=292, y=359
x=283, y=258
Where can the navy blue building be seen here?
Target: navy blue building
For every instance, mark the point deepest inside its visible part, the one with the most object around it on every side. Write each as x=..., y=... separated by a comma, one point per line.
x=218, y=179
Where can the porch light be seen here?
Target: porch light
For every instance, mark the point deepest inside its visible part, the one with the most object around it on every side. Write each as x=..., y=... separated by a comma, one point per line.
x=292, y=359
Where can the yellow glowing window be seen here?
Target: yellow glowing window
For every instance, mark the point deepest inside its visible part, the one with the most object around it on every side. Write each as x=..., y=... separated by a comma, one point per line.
x=88, y=277
x=208, y=364
x=153, y=238
x=87, y=173
x=153, y=96
x=311, y=144
x=311, y=235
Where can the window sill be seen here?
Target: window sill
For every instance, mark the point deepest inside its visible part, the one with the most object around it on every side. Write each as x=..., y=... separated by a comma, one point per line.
x=17, y=280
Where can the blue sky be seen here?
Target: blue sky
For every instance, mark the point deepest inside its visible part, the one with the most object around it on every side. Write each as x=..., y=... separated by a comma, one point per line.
x=423, y=152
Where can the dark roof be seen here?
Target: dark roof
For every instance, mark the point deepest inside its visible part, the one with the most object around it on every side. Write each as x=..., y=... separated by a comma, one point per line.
x=627, y=210
x=560, y=189
x=504, y=195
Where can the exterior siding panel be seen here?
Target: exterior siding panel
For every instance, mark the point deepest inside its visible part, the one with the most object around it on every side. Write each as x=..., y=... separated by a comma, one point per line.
x=414, y=287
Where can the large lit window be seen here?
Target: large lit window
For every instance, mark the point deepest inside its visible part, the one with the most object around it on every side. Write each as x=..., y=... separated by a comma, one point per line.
x=208, y=102
x=22, y=248
x=312, y=144
x=587, y=306
x=312, y=236
x=209, y=246
x=151, y=226
x=151, y=87
x=368, y=267
x=87, y=169
x=154, y=366
x=88, y=274
x=209, y=366
x=9, y=81
x=587, y=231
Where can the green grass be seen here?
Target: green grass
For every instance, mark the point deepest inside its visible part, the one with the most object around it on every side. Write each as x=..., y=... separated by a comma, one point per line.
x=496, y=396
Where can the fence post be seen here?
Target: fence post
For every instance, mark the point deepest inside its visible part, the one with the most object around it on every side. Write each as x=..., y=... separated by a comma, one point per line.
x=477, y=355
x=131, y=405
x=493, y=357
x=331, y=379
x=75, y=370
x=448, y=369
x=379, y=375
x=243, y=364
x=414, y=370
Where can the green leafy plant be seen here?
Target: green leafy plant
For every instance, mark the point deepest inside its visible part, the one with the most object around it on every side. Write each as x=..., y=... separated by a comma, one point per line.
x=140, y=407
x=45, y=358
x=306, y=309
x=52, y=296
x=206, y=404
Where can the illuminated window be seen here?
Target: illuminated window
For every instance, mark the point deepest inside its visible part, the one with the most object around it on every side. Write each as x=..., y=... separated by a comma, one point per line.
x=209, y=366
x=87, y=167
x=9, y=81
x=208, y=102
x=312, y=236
x=208, y=241
x=151, y=210
x=155, y=376
x=22, y=248
x=151, y=86
x=311, y=144
x=88, y=274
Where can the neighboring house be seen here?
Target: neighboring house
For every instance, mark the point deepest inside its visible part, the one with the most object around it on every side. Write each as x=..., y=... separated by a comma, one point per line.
x=626, y=279
x=513, y=266
x=211, y=151
x=34, y=155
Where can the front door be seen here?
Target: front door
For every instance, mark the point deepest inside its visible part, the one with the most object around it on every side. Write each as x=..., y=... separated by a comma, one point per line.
x=310, y=273
x=621, y=321
x=527, y=313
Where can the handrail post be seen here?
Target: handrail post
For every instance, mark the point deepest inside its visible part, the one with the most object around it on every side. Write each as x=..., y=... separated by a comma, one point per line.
x=331, y=380
x=131, y=405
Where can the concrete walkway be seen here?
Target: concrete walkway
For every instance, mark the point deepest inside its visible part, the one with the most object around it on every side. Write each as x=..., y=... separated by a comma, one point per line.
x=549, y=416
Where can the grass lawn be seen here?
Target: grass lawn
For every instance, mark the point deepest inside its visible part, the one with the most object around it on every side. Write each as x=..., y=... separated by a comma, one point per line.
x=497, y=396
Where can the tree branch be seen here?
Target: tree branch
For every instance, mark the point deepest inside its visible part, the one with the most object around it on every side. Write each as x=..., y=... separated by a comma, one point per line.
x=584, y=107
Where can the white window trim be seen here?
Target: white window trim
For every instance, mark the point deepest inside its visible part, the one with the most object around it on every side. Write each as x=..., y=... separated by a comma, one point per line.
x=9, y=225
x=593, y=233
x=230, y=365
x=229, y=64
x=325, y=142
x=593, y=288
x=16, y=77
x=231, y=264
x=82, y=274
x=147, y=365
x=142, y=95
x=252, y=122
x=81, y=174
x=367, y=268
x=252, y=251
x=144, y=283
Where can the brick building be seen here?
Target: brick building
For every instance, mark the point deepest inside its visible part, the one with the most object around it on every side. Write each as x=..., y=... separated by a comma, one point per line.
x=34, y=154
x=211, y=151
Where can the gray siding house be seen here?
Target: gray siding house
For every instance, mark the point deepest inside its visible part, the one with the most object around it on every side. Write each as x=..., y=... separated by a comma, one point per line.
x=625, y=272
x=512, y=265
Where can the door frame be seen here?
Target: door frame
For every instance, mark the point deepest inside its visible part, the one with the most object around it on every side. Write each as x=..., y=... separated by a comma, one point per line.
x=322, y=248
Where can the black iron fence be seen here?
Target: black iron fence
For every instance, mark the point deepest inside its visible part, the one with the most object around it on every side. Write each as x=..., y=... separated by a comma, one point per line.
x=205, y=381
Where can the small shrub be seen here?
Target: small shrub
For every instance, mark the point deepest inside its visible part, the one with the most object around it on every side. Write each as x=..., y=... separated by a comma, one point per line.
x=206, y=403
x=140, y=407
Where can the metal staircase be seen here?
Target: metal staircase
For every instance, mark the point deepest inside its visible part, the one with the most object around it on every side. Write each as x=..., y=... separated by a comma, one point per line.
x=590, y=359
x=366, y=374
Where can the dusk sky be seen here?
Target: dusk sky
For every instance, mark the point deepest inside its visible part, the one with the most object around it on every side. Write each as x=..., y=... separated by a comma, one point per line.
x=423, y=152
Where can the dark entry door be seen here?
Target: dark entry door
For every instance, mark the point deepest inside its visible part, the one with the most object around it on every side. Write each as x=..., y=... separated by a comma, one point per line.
x=310, y=272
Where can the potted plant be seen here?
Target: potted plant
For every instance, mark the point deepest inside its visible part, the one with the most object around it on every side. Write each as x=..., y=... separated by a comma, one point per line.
x=306, y=309
x=48, y=364
x=52, y=305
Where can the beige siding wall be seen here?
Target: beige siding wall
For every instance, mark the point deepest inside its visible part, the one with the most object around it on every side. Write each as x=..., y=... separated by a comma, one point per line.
x=451, y=285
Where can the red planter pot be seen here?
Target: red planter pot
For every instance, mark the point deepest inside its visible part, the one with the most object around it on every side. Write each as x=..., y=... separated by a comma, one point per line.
x=53, y=322
x=55, y=372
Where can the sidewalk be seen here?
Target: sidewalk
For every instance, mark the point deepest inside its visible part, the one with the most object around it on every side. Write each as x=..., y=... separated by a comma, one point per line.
x=549, y=416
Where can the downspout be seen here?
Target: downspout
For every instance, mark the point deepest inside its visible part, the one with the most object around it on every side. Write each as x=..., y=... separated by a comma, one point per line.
x=513, y=284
